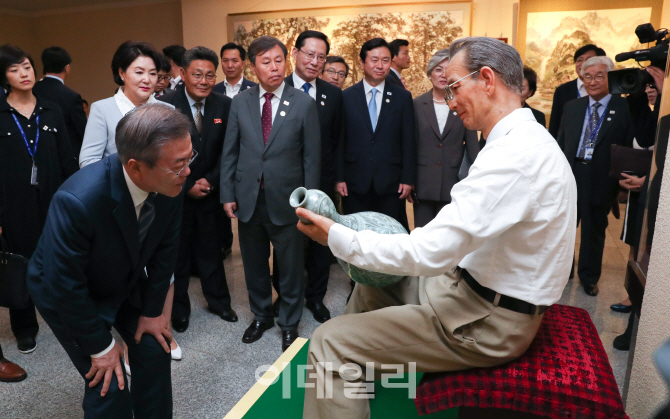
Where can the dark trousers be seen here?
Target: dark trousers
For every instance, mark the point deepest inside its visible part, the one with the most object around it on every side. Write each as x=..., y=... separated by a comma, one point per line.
x=225, y=231
x=593, y=220
x=151, y=395
x=388, y=204
x=200, y=239
x=255, y=238
x=24, y=321
x=425, y=211
x=317, y=264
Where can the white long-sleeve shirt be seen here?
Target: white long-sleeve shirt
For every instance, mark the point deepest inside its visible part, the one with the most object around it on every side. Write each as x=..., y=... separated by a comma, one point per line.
x=511, y=223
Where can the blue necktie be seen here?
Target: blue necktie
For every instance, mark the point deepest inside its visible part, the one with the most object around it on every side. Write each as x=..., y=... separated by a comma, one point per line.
x=147, y=214
x=305, y=87
x=372, y=109
x=590, y=127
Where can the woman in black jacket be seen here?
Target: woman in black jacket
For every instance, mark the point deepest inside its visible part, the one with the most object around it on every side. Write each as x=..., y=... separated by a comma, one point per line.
x=35, y=159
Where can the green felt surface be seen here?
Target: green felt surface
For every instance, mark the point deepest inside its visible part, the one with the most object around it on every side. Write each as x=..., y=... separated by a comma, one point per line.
x=388, y=403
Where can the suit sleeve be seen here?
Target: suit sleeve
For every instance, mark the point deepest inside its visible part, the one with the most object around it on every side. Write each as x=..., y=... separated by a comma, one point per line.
x=66, y=239
x=341, y=143
x=162, y=265
x=229, y=155
x=78, y=121
x=95, y=137
x=408, y=175
x=66, y=157
x=311, y=134
x=556, y=113
x=560, y=138
x=214, y=175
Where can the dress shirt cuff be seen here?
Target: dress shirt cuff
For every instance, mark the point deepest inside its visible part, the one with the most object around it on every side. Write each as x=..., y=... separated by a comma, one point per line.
x=105, y=352
x=339, y=240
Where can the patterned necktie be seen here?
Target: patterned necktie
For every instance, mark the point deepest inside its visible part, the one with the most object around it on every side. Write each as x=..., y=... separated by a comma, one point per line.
x=266, y=116
x=305, y=87
x=147, y=214
x=372, y=109
x=590, y=128
x=198, y=117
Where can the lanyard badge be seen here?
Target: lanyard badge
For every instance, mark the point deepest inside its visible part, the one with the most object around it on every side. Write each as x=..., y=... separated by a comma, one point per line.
x=33, y=171
x=588, y=150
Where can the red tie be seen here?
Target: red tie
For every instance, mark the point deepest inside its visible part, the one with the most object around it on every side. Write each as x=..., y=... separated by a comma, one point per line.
x=266, y=117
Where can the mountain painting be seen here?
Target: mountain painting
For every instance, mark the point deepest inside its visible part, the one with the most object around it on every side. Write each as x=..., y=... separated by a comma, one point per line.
x=553, y=37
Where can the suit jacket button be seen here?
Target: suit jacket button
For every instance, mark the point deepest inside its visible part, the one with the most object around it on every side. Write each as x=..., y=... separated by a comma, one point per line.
x=439, y=146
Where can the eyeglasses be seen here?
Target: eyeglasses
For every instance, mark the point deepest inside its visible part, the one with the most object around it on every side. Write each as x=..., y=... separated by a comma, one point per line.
x=195, y=154
x=333, y=72
x=310, y=56
x=589, y=78
x=449, y=93
x=198, y=77
x=164, y=78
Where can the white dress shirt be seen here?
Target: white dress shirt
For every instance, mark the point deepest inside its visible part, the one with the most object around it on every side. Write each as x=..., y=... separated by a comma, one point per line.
x=192, y=103
x=604, y=102
x=581, y=90
x=51, y=76
x=173, y=82
x=298, y=83
x=233, y=89
x=511, y=222
x=275, y=99
x=378, y=96
x=442, y=113
x=125, y=105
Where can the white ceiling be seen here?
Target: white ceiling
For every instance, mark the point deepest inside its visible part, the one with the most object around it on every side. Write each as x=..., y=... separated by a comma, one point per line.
x=41, y=6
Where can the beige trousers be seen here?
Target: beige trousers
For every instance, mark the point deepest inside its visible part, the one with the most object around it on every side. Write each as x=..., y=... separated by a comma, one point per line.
x=438, y=323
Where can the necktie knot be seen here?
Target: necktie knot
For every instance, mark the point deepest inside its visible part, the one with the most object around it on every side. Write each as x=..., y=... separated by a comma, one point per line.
x=198, y=106
x=268, y=96
x=305, y=87
x=596, y=106
x=374, y=92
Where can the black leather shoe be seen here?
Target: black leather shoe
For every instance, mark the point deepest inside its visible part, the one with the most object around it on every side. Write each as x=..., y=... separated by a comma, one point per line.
x=591, y=290
x=622, y=342
x=320, y=311
x=227, y=252
x=287, y=338
x=180, y=324
x=621, y=308
x=275, y=307
x=255, y=331
x=228, y=315
x=26, y=345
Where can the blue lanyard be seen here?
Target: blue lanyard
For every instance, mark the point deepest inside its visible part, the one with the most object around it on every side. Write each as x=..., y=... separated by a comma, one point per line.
x=594, y=133
x=25, y=139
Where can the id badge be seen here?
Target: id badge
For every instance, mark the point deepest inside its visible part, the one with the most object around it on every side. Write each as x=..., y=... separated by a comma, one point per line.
x=588, y=153
x=33, y=175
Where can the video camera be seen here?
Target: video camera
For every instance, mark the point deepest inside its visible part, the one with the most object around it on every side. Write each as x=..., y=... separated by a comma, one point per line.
x=634, y=80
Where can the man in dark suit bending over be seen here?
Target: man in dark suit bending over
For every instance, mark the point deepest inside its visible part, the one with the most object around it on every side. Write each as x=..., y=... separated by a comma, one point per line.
x=106, y=257
x=377, y=153
x=200, y=232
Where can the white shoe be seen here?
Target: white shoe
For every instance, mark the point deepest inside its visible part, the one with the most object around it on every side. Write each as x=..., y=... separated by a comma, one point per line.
x=175, y=352
x=125, y=362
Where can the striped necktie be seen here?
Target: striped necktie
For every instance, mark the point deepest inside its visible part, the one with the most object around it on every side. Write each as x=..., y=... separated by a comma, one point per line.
x=147, y=215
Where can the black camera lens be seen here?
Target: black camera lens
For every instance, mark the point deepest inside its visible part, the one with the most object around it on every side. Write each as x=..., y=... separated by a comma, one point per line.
x=628, y=81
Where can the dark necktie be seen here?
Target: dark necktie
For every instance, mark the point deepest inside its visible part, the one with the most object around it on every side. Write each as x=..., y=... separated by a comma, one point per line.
x=147, y=214
x=198, y=117
x=266, y=116
x=305, y=87
x=590, y=128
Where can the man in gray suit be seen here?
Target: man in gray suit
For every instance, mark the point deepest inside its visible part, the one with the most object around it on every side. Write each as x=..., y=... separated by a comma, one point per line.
x=272, y=146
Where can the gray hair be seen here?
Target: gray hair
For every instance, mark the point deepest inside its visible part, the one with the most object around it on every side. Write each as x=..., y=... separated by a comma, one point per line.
x=439, y=56
x=606, y=61
x=503, y=59
x=142, y=133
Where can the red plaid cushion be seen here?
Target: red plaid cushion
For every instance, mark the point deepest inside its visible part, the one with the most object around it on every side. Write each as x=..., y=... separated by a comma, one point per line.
x=564, y=374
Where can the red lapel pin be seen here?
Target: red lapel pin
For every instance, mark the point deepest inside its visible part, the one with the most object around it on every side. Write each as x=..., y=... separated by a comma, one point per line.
x=217, y=121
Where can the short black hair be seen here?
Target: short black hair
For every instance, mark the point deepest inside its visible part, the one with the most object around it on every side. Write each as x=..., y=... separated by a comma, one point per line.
x=530, y=75
x=127, y=53
x=232, y=45
x=586, y=48
x=10, y=55
x=335, y=59
x=395, y=45
x=175, y=53
x=264, y=44
x=312, y=34
x=372, y=44
x=54, y=60
x=164, y=64
x=200, y=53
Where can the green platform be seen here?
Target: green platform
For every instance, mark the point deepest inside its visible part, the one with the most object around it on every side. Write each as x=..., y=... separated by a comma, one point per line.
x=264, y=401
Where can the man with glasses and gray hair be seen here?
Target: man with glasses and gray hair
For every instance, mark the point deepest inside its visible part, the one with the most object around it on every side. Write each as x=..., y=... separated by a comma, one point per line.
x=480, y=276
x=105, y=259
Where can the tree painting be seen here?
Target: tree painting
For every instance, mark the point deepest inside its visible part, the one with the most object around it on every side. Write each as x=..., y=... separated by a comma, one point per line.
x=427, y=33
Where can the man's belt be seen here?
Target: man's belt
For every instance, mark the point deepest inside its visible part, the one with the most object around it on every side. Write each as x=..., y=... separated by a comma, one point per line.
x=510, y=303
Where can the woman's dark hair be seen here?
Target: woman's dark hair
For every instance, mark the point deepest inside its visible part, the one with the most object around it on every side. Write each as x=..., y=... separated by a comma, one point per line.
x=127, y=53
x=335, y=59
x=530, y=75
x=372, y=44
x=164, y=64
x=263, y=44
x=300, y=42
x=10, y=55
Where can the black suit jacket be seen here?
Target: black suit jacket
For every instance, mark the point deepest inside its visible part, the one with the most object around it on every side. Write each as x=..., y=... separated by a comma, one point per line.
x=617, y=128
x=209, y=146
x=221, y=87
x=382, y=159
x=329, y=108
x=563, y=94
x=89, y=261
x=71, y=106
x=393, y=78
x=539, y=115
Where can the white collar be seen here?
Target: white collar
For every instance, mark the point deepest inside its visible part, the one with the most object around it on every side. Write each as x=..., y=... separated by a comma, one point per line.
x=505, y=125
x=51, y=76
x=298, y=82
x=239, y=83
x=580, y=83
x=191, y=101
x=125, y=105
x=367, y=87
x=138, y=195
x=396, y=72
x=278, y=91
x=604, y=101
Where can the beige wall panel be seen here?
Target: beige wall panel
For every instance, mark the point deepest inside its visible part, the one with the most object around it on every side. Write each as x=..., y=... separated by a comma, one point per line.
x=18, y=31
